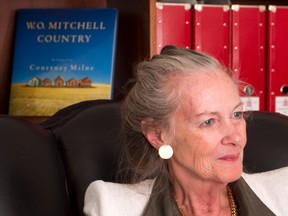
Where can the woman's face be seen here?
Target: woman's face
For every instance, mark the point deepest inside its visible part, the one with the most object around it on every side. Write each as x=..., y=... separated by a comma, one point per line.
x=210, y=132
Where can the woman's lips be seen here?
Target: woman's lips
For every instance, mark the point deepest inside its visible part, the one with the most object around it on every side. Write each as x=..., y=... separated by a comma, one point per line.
x=230, y=157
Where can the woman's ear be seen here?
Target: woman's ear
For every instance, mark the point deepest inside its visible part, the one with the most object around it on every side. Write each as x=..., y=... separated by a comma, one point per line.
x=152, y=133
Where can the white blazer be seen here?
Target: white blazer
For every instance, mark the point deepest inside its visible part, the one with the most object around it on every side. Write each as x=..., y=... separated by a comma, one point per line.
x=112, y=199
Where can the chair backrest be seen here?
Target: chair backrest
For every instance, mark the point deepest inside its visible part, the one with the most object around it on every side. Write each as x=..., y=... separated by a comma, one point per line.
x=32, y=180
x=89, y=139
x=267, y=141
x=88, y=135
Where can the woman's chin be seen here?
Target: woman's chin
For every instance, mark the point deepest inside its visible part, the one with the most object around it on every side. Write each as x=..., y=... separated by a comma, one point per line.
x=231, y=175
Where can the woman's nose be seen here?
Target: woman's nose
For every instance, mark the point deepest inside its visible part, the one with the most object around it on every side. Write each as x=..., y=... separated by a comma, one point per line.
x=234, y=133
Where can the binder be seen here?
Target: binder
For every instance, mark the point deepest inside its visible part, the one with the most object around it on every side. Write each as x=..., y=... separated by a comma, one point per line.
x=210, y=30
x=173, y=25
x=277, y=96
x=248, y=36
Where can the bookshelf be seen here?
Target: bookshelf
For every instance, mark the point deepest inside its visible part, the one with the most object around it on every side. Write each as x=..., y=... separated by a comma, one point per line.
x=136, y=35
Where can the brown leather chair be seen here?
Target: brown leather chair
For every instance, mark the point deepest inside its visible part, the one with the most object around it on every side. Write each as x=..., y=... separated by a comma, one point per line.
x=32, y=177
x=45, y=168
x=267, y=141
x=88, y=138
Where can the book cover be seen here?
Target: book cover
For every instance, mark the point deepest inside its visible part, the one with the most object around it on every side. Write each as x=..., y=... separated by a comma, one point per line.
x=62, y=57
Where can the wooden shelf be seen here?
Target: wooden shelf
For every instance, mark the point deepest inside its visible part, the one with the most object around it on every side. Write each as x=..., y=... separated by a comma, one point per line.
x=136, y=38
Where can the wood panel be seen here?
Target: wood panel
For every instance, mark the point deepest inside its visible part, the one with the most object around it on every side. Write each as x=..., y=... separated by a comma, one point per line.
x=133, y=42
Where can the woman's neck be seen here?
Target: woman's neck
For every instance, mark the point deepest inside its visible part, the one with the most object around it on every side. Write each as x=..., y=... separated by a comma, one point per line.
x=195, y=197
x=192, y=203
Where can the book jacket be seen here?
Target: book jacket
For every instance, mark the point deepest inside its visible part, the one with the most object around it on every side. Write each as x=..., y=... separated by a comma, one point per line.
x=62, y=57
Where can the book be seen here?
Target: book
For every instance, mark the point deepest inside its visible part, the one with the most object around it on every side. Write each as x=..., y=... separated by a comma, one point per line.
x=62, y=57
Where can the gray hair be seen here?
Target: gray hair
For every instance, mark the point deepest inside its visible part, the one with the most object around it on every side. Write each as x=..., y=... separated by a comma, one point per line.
x=151, y=96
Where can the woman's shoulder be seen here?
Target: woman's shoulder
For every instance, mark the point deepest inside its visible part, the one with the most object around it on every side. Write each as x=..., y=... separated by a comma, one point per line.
x=107, y=198
x=271, y=187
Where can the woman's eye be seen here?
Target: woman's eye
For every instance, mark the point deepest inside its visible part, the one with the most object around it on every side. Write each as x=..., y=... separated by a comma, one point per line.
x=238, y=114
x=208, y=122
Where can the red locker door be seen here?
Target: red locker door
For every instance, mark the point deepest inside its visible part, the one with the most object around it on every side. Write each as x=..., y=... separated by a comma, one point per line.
x=278, y=59
x=173, y=25
x=210, y=30
x=248, y=26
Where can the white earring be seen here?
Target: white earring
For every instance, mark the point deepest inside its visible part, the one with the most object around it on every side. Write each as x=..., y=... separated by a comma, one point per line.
x=165, y=151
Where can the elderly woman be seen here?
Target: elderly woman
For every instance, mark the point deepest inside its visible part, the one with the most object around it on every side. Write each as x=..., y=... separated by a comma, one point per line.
x=184, y=139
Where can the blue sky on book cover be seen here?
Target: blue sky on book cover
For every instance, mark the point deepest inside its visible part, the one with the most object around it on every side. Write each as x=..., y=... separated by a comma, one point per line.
x=72, y=43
